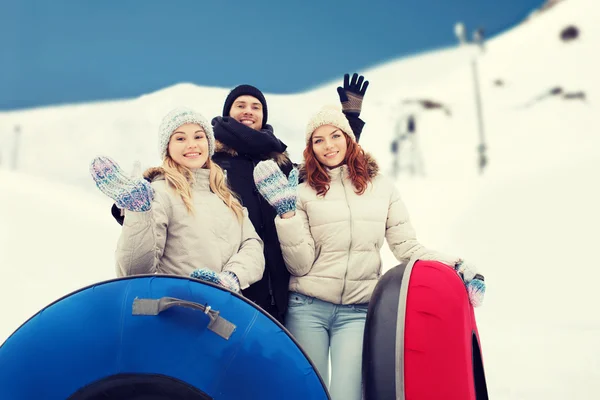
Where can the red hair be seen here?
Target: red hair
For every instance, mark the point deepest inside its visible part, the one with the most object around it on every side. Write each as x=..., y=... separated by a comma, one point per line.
x=318, y=178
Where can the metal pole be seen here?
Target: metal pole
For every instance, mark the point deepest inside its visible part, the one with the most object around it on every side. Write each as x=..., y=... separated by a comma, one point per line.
x=482, y=147
x=478, y=39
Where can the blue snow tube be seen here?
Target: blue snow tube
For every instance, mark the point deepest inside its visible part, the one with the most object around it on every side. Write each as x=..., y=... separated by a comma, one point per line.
x=155, y=337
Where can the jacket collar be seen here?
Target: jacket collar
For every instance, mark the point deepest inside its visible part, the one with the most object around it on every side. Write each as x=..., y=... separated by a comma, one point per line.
x=372, y=168
x=245, y=140
x=201, y=176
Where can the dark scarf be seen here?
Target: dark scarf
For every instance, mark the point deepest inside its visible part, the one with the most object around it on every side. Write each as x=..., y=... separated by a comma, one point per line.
x=245, y=140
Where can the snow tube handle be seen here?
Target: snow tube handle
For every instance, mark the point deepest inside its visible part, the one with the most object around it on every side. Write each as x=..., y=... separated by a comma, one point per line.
x=217, y=324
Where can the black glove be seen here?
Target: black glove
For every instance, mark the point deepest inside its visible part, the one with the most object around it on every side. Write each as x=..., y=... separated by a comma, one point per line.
x=351, y=95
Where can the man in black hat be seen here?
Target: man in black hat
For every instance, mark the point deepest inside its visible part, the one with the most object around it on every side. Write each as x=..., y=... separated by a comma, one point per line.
x=243, y=139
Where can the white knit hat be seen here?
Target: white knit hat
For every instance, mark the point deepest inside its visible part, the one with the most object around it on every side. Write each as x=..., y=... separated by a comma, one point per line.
x=180, y=116
x=329, y=115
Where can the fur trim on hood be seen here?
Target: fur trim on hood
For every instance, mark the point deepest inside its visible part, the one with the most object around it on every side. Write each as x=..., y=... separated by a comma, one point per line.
x=280, y=158
x=154, y=173
x=372, y=168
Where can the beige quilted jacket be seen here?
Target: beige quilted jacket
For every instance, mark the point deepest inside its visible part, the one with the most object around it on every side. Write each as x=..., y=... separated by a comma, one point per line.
x=332, y=245
x=169, y=240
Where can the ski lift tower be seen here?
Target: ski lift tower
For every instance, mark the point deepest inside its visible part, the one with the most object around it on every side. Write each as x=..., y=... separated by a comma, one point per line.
x=405, y=147
x=478, y=40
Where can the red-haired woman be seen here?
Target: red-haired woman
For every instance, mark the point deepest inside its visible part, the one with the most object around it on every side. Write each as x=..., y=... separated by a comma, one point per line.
x=331, y=228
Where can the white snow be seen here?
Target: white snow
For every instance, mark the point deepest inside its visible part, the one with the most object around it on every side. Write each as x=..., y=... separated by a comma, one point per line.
x=529, y=222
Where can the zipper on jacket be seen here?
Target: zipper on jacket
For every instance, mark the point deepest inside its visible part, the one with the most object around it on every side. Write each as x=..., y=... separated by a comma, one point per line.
x=350, y=245
x=270, y=288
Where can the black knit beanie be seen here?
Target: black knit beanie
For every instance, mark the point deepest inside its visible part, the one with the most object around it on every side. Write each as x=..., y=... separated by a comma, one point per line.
x=243, y=90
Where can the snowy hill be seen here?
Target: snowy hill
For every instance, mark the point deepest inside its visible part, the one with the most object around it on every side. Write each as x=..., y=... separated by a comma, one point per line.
x=529, y=221
x=54, y=239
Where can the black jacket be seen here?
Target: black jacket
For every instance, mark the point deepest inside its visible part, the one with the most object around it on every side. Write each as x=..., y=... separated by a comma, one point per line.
x=238, y=149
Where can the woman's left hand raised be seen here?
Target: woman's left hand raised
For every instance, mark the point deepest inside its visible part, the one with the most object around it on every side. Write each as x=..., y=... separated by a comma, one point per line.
x=352, y=94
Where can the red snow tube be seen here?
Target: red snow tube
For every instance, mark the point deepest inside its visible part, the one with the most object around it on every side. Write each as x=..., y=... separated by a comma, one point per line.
x=421, y=340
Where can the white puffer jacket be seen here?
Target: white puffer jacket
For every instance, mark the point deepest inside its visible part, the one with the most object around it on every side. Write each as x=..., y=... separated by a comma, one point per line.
x=332, y=245
x=169, y=240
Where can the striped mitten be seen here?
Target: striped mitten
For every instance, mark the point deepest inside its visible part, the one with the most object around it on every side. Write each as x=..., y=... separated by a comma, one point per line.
x=226, y=279
x=279, y=191
x=474, y=282
x=130, y=194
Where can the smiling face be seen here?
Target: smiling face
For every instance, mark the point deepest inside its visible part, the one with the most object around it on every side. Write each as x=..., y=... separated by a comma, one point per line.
x=329, y=145
x=247, y=110
x=188, y=146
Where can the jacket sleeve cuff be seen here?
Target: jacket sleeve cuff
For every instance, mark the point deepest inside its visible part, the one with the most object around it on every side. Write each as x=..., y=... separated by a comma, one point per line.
x=356, y=124
x=289, y=230
x=241, y=275
x=133, y=217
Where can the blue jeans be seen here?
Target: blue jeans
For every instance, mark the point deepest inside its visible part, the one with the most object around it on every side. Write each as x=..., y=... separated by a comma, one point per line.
x=319, y=327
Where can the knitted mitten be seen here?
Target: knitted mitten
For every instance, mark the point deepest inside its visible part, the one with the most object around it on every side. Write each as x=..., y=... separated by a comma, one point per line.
x=230, y=281
x=130, y=194
x=279, y=191
x=474, y=282
x=352, y=94
x=226, y=279
x=476, y=290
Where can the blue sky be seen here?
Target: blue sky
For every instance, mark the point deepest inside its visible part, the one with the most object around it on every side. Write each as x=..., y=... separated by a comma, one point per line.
x=60, y=51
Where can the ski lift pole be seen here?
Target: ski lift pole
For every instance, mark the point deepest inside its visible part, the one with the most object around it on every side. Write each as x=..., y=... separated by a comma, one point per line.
x=482, y=146
x=478, y=40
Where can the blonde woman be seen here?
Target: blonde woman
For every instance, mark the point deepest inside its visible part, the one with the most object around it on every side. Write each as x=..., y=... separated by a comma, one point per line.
x=182, y=219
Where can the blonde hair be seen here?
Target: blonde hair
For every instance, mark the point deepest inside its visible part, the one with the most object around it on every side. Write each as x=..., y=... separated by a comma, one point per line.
x=180, y=178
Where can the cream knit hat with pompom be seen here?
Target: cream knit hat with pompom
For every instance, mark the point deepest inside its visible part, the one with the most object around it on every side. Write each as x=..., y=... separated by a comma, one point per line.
x=329, y=115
